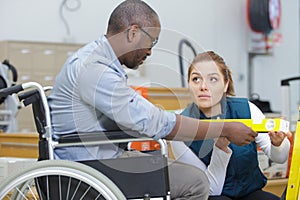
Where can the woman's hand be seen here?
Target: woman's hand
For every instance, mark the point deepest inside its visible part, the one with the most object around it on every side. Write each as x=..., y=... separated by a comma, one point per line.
x=278, y=137
x=222, y=143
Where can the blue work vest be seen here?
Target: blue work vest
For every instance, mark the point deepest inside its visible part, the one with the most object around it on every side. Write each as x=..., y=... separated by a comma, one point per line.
x=243, y=174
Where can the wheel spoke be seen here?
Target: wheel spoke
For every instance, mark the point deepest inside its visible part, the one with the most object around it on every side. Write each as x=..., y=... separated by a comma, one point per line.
x=60, y=180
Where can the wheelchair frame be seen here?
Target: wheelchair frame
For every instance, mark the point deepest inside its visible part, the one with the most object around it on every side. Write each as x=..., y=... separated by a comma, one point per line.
x=42, y=173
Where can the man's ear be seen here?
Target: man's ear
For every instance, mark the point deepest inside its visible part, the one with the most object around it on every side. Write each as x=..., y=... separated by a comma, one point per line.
x=132, y=33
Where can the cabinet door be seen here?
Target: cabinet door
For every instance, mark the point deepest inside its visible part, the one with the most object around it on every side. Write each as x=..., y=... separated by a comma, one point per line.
x=44, y=63
x=63, y=52
x=20, y=55
x=35, y=61
x=44, y=59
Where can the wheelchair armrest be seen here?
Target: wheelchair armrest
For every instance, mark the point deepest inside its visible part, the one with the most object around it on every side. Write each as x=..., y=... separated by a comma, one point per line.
x=105, y=137
x=100, y=136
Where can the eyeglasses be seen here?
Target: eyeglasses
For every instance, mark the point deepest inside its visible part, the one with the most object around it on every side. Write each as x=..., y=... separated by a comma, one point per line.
x=153, y=40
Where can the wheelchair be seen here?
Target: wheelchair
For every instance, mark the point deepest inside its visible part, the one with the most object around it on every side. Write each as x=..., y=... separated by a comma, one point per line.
x=143, y=177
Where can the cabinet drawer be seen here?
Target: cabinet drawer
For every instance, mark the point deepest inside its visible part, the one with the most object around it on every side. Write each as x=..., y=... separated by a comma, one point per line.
x=19, y=145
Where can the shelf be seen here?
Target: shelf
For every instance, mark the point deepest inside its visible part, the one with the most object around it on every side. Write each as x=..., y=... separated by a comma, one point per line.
x=276, y=186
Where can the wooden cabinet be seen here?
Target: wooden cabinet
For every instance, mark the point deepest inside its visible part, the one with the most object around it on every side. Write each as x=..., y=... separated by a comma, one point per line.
x=35, y=61
x=19, y=145
x=276, y=186
x=166, y=98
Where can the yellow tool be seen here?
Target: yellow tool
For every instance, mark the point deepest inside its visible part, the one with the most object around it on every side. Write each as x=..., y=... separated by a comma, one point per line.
x=292, y=191
x=265, y=125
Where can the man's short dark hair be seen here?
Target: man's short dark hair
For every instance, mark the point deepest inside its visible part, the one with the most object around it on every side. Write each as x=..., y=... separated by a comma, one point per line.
x=131, y=12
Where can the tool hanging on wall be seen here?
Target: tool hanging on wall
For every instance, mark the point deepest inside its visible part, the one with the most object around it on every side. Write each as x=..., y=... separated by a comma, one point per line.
x=66, y=5
x=264, y=17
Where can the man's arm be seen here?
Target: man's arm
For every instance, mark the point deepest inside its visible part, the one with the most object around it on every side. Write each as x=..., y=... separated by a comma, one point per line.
x=187, y=129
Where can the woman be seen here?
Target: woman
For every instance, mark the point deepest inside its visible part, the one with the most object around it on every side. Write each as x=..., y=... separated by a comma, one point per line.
x=232, y=170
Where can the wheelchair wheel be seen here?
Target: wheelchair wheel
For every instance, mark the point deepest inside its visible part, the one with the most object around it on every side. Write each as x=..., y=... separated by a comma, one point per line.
x=59, y=179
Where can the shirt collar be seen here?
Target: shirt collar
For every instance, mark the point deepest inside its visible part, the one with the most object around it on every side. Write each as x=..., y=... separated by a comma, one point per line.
x=112, y=56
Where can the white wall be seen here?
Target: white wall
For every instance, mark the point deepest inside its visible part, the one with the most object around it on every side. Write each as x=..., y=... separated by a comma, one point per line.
x=284, y=63
x=210, y=24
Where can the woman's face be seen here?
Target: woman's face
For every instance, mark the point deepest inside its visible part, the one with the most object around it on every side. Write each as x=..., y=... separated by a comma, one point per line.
x=207, y=86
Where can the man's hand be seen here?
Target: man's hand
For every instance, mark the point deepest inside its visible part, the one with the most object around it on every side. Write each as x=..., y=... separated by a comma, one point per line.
x=238, y=133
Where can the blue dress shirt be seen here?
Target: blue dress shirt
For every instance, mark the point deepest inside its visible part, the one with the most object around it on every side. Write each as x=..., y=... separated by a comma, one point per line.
x=91, y=94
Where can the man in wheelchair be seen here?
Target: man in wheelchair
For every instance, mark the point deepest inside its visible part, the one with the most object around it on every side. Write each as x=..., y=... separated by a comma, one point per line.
x=91, y=94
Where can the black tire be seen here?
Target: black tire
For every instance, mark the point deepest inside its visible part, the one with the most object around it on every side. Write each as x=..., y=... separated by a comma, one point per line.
x=258, y=14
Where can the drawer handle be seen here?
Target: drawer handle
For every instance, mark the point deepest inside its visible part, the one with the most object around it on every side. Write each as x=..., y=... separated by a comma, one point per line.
x=18, y=144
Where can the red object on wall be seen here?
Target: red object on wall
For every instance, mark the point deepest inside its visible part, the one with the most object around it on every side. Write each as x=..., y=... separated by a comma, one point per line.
x=263, y=16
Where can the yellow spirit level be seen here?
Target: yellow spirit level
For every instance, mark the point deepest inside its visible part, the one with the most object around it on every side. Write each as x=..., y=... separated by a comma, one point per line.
x=265, y=125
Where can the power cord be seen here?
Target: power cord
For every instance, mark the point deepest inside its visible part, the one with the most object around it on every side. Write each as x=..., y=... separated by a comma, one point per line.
x=69, y=7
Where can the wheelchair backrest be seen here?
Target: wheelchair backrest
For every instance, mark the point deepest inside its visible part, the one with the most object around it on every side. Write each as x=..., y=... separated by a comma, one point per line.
x=33, y=97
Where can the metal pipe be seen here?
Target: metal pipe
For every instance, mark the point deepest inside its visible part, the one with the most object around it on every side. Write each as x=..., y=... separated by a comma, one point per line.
x=186, y=42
